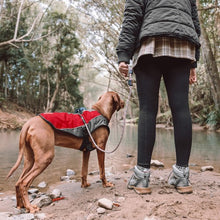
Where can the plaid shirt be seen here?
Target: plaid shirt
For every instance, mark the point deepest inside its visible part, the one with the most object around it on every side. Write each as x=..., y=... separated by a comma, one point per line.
x=165, y=46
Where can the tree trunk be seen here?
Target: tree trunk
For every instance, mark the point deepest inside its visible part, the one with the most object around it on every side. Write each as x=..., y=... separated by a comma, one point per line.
x=210, y=64
x=50, y=103
x=217, y=19
x=1, y=76
x=1, y=9
x=17, y=90
x=6, y=80
x=48, y=92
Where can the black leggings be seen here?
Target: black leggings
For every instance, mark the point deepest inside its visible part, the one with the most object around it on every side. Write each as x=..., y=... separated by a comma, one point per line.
x=175, y=72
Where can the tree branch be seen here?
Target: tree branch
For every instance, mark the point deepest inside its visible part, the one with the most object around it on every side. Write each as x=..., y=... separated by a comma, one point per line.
x=18, y=20
x=208, y=8
x=1, y=8
x=21, y=39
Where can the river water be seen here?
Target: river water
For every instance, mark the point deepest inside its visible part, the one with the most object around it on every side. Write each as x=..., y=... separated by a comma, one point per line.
x=205, y=151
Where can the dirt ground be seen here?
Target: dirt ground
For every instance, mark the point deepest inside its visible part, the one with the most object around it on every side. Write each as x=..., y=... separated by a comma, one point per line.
x=163, y=203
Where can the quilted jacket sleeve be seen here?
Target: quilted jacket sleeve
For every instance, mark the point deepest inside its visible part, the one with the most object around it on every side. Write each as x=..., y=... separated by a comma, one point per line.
x=197, y=28
x=133, y=16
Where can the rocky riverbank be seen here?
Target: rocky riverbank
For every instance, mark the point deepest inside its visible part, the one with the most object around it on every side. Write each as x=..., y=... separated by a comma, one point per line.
x=70, y=201
x=12, y=116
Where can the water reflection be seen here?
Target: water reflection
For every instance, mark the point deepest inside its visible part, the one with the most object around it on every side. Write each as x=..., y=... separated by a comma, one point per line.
x=205, y=151
x=205, y=147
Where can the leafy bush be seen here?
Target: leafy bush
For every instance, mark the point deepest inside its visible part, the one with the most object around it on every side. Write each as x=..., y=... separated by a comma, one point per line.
x=213, y=119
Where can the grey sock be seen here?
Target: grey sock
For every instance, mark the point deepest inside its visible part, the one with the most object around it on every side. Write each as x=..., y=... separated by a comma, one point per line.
x=143, y=169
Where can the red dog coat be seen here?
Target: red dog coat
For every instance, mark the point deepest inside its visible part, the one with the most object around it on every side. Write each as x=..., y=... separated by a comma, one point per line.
x=73, y=124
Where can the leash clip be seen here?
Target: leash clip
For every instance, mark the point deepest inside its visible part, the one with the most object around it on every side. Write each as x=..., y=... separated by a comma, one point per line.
x=130, y=72
x=80, y=110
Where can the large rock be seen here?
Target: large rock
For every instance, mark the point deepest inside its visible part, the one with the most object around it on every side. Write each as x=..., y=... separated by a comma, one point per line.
x=56, y=193
x=33, y=190
x=100, y=210
x=156, y=163
x=207, y=168
x=42, y=201
x=42, y=185
x=70, y=172
x=105, y=203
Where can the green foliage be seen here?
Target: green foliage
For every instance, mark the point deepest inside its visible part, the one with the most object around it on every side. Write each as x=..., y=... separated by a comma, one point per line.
x=65, y=47
x=213, y=119
x=2, y=99
x=210, y=21
x=30, y=71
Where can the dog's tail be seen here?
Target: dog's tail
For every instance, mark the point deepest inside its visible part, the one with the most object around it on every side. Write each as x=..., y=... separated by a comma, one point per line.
x=22, y=145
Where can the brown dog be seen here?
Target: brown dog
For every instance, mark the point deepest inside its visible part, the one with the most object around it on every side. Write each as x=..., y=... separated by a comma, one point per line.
x=37, y=140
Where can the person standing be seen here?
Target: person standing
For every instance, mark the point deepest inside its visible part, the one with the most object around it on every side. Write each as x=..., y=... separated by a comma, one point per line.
x=162, y=38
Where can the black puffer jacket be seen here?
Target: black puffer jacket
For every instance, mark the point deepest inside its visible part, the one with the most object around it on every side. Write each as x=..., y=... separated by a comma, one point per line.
x=144, y=18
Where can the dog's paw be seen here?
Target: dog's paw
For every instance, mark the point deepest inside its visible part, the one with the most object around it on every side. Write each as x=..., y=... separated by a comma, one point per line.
x=32, y=209
x=85, y=185
x=108, y=184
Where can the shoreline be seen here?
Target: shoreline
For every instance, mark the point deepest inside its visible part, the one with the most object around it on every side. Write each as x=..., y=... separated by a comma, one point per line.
x=13, y=117
x=17, y=125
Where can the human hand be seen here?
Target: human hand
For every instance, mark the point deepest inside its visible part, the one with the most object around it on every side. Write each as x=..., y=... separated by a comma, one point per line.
x=192, y=76
x=123, y=68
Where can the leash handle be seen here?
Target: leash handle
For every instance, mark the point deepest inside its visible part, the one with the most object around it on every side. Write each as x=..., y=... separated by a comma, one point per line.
x=130, y=72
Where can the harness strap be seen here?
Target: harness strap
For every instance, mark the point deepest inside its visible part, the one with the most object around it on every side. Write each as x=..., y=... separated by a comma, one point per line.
x=86, y=144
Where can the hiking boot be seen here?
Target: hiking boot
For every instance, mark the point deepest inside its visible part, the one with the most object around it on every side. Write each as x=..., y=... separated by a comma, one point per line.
x=139, y=180
x=180, y=179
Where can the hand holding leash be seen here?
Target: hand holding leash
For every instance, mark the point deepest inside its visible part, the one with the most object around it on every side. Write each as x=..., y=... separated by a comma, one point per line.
x=123, y=68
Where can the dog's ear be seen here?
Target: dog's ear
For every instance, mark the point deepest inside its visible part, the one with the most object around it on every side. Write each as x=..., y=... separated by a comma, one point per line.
x=116, y=100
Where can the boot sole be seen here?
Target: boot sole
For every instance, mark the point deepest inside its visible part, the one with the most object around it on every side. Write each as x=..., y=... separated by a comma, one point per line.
x=141, y=191
x=184, y=190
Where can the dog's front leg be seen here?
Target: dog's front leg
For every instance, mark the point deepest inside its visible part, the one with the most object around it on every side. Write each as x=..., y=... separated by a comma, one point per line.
x=85, y=163
x=101, y=160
